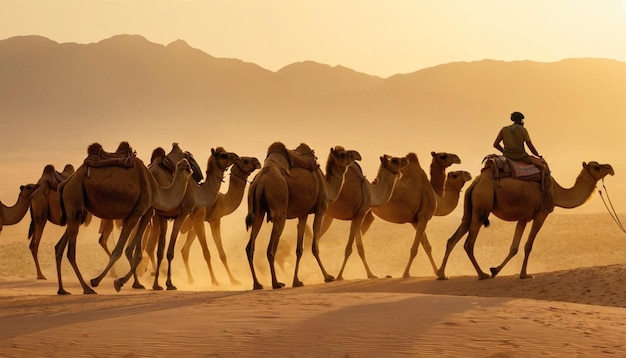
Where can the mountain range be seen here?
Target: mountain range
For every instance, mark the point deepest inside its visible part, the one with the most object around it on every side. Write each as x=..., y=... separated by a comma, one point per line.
x=57, y=98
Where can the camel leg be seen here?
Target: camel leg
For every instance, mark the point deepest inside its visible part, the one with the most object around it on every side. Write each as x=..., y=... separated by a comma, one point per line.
x=133, y=252
x=534, y=230
x=198, y=225
x=469, y=248
x=72, y=233
x=299, y=250
x=429, y=252
x=420, y=227
x=106, y=229
x=317, y=223
x=277, y=230
x=151, y=240
x=361, y=251
x=452, y=241
x=59, y=248
x=367, y=222
x=178, y=222
x=38, y=226
x=328, y=220
x=159, y=230
x=517, y=238
x=216, y=232
x=191, y=236
x=347, y=252
x=117, y=250
x=255, y=228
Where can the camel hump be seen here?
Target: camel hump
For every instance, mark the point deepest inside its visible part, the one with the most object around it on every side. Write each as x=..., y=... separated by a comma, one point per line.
x=157, y=154
x=303, y=156
x=52, y=177
x=97, y=157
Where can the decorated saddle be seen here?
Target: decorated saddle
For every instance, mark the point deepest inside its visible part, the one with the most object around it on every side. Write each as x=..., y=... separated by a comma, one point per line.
x=505, y=167
x=97, y=157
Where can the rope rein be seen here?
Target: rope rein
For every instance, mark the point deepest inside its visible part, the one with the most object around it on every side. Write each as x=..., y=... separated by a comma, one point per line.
x=610, y=208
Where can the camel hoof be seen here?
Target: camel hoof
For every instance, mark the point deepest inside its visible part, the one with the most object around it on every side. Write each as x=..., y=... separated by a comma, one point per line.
x=215, y=283
x=171, y=287
x=41, y=277
x=442, y=277
x=329, y=278
x=297, y=283
x=257, y=286
x=62, y=292
x=235, y=282
x=483, y=276
x=372, y=276
x=157, y=288
x=524, y=277
x=406, y=275
x=94, y=282
x=339, y=278
x=89, y=291
x=494, y=271
x=118, y=285
x=138, y=286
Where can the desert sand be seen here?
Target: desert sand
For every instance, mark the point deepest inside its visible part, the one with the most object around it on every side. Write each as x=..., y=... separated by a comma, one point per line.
x=575, y=306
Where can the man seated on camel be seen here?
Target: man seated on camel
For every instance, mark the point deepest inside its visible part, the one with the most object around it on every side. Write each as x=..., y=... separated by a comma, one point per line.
x=514, y=137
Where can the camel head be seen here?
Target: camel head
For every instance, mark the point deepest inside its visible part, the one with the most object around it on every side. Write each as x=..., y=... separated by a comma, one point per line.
x=220, y=160
x=393, y=164
x=340, y=157
x=27, y=190
x=444, y=160
x=245, y=166
x=598, y=171
x=458, y=178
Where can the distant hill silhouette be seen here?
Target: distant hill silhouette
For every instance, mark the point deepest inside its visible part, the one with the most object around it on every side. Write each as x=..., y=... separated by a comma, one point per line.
x=60, y=97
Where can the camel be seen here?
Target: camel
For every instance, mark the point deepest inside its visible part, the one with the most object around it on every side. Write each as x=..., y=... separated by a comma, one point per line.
x=11, y=215
x=114, y=186
x=197, y=198
x=357, y=197
x=291, y=185
x=45, y=207
x=455, y=181
x=224, y=205
x=518, y=200
x=414, y=200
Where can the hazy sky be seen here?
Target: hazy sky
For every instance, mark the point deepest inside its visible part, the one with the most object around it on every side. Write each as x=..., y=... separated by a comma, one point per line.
x=376, y=37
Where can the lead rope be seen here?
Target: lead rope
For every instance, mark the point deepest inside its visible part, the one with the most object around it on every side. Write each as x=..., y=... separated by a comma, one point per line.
x=610, y=207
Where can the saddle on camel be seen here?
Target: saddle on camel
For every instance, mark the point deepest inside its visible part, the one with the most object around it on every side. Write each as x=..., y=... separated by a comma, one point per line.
x=97, y=157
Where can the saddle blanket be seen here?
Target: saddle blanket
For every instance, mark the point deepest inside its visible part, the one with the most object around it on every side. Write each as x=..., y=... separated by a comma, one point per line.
x=505, y=167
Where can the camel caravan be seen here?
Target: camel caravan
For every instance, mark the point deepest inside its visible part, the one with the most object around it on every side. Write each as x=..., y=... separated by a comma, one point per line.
x=119, y=189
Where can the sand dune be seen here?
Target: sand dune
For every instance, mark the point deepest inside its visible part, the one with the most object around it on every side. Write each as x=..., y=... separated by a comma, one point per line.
x=579, y=310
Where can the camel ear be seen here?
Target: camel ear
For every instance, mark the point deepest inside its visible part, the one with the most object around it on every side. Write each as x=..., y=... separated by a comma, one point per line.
x=584, y=165
x=433, y=153
x=212, y=151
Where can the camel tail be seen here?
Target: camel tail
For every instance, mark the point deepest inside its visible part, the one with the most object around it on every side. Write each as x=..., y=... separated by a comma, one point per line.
x=31, y=228
x=468, y=206
x=251, y=204
x=63, y=219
